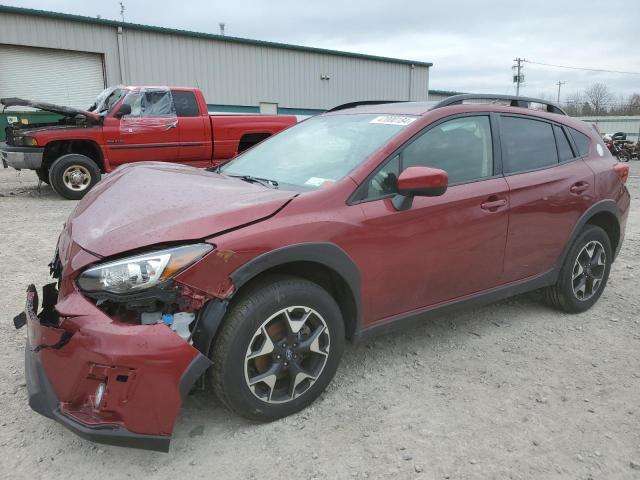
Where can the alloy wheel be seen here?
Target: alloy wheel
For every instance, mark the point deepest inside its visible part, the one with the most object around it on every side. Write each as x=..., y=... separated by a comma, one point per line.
x=588, y=270
x=287, y=354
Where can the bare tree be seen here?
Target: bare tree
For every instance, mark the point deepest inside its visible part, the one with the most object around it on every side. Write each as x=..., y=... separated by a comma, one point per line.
x=599, y=96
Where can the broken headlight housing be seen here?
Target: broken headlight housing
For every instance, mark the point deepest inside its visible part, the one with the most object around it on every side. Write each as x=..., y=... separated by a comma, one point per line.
x=141, y=271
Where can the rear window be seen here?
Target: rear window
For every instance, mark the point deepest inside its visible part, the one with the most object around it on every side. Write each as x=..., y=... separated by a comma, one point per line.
x=185, y=103
x=582, y=141
x=528, y=144
x=564, y=147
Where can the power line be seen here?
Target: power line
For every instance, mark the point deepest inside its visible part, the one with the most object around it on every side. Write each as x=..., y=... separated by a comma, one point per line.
x=582, y=68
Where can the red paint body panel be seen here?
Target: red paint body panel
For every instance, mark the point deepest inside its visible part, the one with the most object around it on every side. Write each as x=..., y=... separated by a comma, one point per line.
x=543, y=212
x=152, y=357
x=202, y=141
x=413, y=249
x=181, y=203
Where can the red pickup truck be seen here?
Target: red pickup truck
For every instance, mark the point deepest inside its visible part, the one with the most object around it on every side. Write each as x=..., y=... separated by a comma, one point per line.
x=129, y=124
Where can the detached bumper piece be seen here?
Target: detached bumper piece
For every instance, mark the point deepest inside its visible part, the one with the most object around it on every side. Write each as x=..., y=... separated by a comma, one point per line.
x=42, y=399
x=108, y=382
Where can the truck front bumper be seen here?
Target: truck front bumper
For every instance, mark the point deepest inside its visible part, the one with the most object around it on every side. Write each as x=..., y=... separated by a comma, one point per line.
x=144, y=372
x=29, y=158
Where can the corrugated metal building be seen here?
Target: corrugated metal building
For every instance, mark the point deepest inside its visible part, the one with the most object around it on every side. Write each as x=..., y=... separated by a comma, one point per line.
x=630, y=125
x=68, y=59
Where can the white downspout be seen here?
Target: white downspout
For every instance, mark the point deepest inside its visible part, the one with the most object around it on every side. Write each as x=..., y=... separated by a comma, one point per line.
x=123, y=73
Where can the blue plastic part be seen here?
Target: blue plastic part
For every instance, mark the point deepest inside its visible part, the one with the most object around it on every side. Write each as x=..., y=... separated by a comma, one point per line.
x=167, y=318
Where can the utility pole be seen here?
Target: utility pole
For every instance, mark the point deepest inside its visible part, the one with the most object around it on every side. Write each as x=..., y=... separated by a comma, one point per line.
x=518, y=78
x=221, y=25
x=122, y=11
x=559, y=83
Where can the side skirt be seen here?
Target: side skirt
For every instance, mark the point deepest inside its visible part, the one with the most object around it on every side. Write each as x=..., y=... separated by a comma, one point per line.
x=416, y=317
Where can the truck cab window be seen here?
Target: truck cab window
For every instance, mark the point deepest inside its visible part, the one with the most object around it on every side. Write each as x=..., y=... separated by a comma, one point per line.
x=185, y=102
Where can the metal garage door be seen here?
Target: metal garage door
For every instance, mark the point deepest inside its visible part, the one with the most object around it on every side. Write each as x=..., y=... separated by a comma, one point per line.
x=56, y=76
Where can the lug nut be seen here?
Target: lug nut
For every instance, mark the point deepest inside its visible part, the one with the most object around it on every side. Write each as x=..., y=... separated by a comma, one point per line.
x=278, y=357
x=286, y=364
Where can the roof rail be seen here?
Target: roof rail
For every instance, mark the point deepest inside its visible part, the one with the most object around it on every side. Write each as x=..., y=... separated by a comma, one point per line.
x=363, y=102
x=523, y=102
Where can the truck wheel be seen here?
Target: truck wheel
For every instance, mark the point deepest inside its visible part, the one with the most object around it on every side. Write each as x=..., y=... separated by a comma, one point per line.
x=43, y=175
x=278, y=348
x=73, y=175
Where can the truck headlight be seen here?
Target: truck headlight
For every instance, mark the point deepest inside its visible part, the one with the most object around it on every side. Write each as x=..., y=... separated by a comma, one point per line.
x=141, y=271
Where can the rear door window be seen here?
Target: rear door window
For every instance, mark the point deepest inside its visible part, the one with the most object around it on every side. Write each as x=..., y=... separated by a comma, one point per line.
x=186, y=105
x=582, y=141
x=564, y=147
x=527, y=144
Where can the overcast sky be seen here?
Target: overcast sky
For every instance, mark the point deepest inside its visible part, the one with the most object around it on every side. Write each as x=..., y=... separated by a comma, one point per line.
x=471, y=43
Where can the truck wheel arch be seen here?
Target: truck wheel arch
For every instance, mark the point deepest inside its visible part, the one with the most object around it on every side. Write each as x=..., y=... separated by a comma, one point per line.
x=55, y=149
x=248, y=140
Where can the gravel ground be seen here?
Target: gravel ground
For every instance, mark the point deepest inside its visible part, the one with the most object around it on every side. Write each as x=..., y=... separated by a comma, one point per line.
x=512, y=390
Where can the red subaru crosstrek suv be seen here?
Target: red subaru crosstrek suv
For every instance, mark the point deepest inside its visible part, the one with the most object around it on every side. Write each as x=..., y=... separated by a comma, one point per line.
x=250, y=277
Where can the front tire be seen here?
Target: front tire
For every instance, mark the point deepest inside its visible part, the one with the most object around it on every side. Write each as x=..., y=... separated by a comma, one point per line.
x=73, y=175
x=278, y=348
x=585, y=272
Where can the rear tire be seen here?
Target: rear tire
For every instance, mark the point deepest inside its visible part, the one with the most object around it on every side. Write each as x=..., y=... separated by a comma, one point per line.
x=286, y=330
x=73, y=175
x=585, y=272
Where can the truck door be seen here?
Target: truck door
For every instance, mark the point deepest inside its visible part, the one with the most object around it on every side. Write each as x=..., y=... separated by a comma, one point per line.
x=148, y=133
x=195, y=130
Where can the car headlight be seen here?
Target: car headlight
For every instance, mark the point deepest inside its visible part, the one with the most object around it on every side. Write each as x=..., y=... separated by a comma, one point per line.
x=141, y=271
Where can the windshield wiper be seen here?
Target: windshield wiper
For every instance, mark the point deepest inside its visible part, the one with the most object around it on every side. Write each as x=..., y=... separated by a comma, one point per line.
x=265, y=182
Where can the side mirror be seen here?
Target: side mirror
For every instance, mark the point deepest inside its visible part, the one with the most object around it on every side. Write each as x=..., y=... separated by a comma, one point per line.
x=125, y=109
x=421, y=182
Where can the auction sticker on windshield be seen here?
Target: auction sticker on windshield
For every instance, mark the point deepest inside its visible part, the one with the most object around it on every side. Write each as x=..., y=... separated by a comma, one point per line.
x=318, y=182
x=393, y=120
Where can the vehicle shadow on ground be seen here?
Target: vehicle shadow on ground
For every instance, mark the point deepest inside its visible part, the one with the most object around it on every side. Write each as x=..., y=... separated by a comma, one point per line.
x=203, y=409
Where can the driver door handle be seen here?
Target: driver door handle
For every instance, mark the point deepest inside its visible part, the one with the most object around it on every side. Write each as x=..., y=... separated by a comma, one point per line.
x=172, y=125
x=493, y=203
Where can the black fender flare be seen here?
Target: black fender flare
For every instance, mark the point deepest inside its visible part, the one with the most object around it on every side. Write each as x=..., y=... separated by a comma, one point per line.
x=326, y=254
x=609, y=206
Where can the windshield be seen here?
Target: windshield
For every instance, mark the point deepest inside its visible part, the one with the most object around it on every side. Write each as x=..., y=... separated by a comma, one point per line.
x=108, y=99
x=317, y=151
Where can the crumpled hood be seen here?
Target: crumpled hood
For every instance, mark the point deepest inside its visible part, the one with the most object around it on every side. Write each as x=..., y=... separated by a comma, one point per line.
x=152, y=202
x=50, y=107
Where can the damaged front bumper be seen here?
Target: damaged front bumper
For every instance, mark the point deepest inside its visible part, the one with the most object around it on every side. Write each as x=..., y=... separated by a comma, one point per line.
x=107, y=381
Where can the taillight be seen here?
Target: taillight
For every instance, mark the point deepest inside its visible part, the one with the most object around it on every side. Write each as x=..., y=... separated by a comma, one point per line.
x=622, y=169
